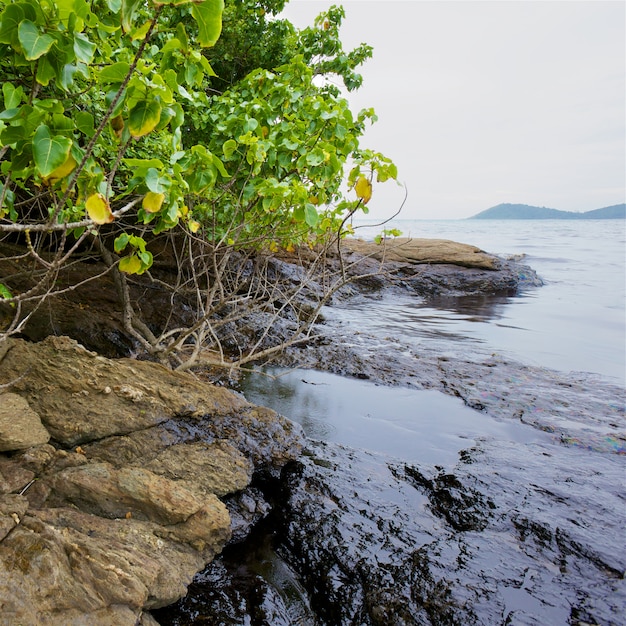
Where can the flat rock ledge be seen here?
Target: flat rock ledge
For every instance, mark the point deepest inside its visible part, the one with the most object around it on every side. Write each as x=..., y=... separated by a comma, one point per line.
x=418, y=250
x=112, y=480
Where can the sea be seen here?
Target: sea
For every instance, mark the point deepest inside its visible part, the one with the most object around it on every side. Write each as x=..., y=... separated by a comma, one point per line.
x=575, y=322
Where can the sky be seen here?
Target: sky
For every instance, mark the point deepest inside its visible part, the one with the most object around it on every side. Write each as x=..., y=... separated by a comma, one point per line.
x=490, y=101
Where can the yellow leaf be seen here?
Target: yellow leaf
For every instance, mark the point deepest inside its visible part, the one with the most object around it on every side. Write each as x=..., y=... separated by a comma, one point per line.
x=194, y=226
x=130, y=264
x=273, y=247
x=117, y=124
x=144, y=117
x=152, y=202
x=62, y=171
x=98, y=209
x=363, y=189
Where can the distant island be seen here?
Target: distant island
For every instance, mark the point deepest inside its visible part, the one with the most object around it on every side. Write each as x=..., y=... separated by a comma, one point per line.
x=527, y=212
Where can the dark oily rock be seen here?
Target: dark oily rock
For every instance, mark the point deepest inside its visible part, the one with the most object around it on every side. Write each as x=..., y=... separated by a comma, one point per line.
x=578, y=409
x=247, y=584
x=81, y=396
x=434, y=267
x=515, y=534
x=258, y=433
x=20, y=426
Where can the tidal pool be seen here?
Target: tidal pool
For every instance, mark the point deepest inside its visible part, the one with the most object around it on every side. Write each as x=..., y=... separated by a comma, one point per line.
x=424, y=426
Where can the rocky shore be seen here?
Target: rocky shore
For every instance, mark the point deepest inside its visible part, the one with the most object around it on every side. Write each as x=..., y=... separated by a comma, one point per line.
x=113, y=476
x=121, y=480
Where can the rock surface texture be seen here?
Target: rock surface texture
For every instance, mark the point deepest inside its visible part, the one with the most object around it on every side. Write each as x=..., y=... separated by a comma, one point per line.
x=110, y=482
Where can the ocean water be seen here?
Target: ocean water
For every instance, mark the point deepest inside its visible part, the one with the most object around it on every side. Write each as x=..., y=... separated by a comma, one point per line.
x=575, y=322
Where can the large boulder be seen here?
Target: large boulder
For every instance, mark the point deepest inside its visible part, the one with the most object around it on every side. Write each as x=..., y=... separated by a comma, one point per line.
x=113, y=504
x=418, y=251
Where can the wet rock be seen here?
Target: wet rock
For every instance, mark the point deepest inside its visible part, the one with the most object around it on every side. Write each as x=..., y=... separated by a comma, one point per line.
x=516, y=534
x=434, y=268
x=20, y=426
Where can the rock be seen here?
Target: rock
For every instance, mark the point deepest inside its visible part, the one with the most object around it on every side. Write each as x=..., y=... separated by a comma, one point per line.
x=513, y=534
x=67, y=565
x=424, y=251
x=203, y=468
x=103, y=490
x=12, y=508
x=20, y=426
x=81, y=396
x=119, y=524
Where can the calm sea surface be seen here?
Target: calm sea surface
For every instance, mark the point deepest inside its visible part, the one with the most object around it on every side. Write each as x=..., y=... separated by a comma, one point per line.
x=575, y=322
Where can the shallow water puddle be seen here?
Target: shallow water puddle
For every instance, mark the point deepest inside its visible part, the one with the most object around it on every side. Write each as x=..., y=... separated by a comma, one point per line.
x=424, y=426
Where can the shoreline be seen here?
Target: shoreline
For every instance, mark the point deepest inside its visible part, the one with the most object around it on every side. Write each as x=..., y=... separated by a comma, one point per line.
x=122, y=422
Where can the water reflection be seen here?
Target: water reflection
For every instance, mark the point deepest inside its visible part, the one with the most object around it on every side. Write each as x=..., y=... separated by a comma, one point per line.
x=415, y=425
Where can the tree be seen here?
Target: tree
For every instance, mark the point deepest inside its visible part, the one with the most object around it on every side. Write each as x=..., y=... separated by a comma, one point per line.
x=115, y=142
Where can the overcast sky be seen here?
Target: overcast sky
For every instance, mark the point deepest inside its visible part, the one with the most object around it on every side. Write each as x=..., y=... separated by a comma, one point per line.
x=483, y=102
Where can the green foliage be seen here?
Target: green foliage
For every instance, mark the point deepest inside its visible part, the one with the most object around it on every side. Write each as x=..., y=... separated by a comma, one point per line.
x=387, y=232
x=123, y=119
x=322, y=50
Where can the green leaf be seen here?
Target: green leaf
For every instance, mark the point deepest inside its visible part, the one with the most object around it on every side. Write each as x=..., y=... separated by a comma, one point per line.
x=114, y=5
x=155, y=182
x=129, y=8
x=46, y=71
x=208, y=16
x=229, y=147
x=5, y=294
x=311, y=216
x=83, y=48
x=121, y=242
x=143, y=163
x=34, y=43
x=316, y=157
x=181, y=35
x=144, y=117
x=85, y=123
x=10, y=114
x=49, y=152
x=115, y=73
x=11, y=18
x=12, y=96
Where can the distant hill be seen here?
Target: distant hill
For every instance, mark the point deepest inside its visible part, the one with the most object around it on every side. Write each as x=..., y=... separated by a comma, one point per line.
x=527, y=212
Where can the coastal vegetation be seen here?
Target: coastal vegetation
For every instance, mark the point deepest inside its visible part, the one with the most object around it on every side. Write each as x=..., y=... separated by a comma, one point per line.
x=177, y=147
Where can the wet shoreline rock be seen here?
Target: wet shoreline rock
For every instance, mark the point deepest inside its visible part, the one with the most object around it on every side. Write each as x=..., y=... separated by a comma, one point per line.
x=117, y=513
